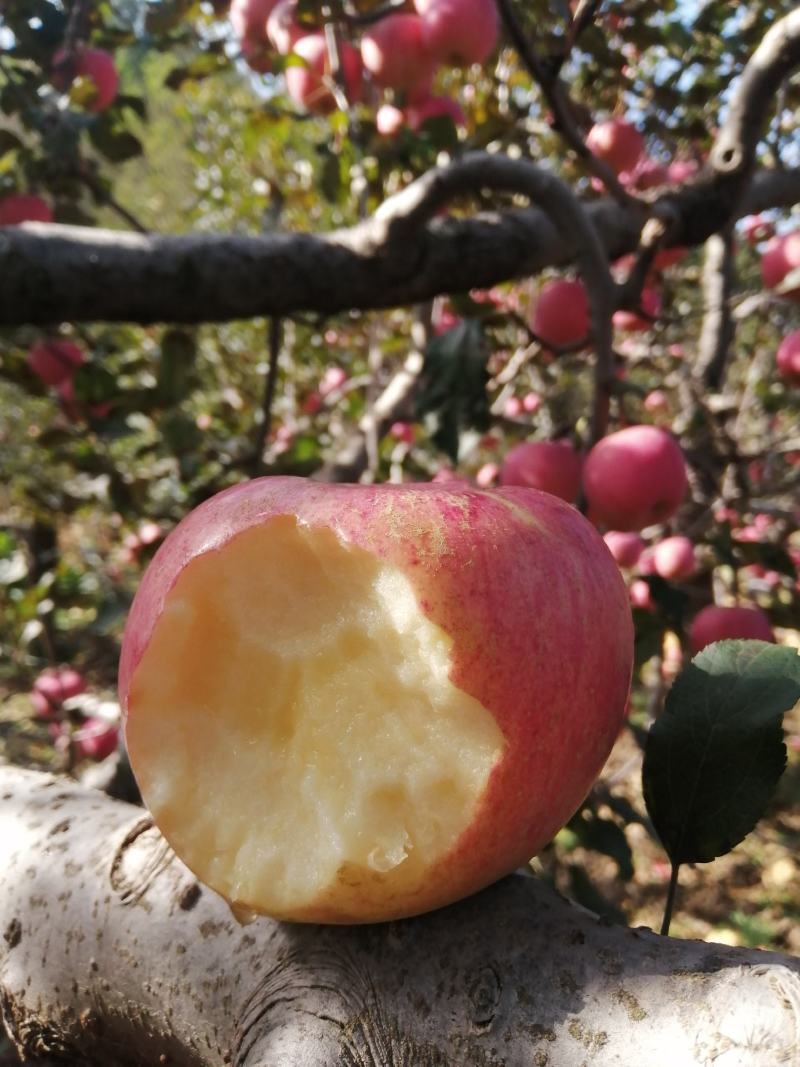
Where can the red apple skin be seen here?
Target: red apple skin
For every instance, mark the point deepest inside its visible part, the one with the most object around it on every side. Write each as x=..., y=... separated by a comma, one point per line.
x=550, y=466
x=626, y=548
x=96, y=739
x=716, y=623
x=249, y=19
x=780, y=257
x=94, y=64
x=477, y=560
x=395, y=54
x=306, y=85
x=432, y=108
x=617, y=142
x=634, y=478
x=459, y=32
x=674, y=558
x=788, y=358
x=59, y=684
x=283, y=30
x=24, y=207
x=389, y=120
x=561, y=315
x=54, y=361
x=629, y=320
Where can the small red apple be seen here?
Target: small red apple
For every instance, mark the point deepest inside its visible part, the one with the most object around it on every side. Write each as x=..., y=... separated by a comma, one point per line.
x=309, y=84
x=531, y=403
x=249, y=19
x=394, y=694
x=283, y=29
x=561, y=315
x=24, y=207
x=58, y=684
x=634, y=478
x=650, y=302
x=459, y=32
x=641, y=596
x=715, y=623
x=626, y=548
x=96, y=739
x=780, y=257
x=395, y=54
x=656, y=400
x=94, y=65
x=788, y=358
x=403, y=432
x=332, y=381
x=681, y=170
x=674, y=558
x=434, y=107
x=617, y=142
x=551, y=466
x=54, y=360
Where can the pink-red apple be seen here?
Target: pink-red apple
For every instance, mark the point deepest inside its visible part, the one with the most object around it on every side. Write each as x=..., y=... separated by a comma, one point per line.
x=354, y=703
x=57, y=684
x=54, y=360
x=310, y=84
x=95, y=739
x=788, y=358
x=395, y=54
x=459, y=32
x=780, y=257
x=674, y=558
x=634, y=478
x=561, y=315
x=434, y=107
x=716, y=623
x=625, y=547
x=24, y=207
x=93, y=65
x=650, y=302
x=249, y=19
x=552, y=466
x=617, y=142
x=283, y=29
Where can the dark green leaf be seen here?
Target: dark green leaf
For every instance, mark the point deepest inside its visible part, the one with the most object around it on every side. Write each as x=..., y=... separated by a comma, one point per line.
x=714, y=756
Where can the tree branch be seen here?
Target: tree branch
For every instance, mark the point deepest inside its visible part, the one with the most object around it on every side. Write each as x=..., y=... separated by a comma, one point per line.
x=717, y=330
x=64, y=273
x=112, y=954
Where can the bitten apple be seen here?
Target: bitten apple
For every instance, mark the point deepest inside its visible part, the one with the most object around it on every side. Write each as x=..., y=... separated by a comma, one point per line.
x=355, y=703
x=634, y=478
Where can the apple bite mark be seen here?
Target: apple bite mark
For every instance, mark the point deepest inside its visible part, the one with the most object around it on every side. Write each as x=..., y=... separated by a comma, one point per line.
x=293, y=682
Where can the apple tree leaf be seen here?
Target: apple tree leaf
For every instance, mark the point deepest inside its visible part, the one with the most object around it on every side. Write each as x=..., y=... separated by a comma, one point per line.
x=715, y=754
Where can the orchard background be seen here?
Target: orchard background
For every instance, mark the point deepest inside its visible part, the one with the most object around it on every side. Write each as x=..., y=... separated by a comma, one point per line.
x=469, y=333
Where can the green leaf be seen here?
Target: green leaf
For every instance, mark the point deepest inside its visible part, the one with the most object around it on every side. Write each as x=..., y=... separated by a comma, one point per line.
x=113, y=141
x=453, y=387
x=714, y=756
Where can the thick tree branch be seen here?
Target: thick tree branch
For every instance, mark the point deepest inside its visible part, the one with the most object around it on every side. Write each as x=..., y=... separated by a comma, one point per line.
x=54, y=274
x=112, y=954
x=717, y=330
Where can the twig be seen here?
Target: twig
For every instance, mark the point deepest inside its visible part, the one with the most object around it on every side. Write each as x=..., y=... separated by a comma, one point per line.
x=274, y=337
x=718, y=328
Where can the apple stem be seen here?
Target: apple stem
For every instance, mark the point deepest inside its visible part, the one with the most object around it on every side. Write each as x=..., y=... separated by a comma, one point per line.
x=671, y=893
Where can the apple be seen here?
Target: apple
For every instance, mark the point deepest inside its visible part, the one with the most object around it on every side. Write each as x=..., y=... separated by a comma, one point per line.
x=487, y=475
x=788, y=358
x=656, y=400
x=625, y=547
x=531, y=403
x=249, y=19
x=57, y=684
x=54, y=360
x=641, y=595
x=634, y=478
x=781, y=256
x=402, y=432
x=283, y=29
x=716, y=623
x=561, y=315
x=757, y=229
x=91, y=64
x=24, y=207
x=434, y=107
x=617, y=142
x=332, y=381
x=96, y=739
x=355, y=703
x=650, y=303
x=682, y=170
x=308, y=85
x=512, y=409
x=257, y=56
x=551, y=466
x=459, y=32
x=389, y=120
x=395, y=54
x=674, y=558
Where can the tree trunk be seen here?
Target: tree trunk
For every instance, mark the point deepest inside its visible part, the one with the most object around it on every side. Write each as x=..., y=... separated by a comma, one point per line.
x=111, y=953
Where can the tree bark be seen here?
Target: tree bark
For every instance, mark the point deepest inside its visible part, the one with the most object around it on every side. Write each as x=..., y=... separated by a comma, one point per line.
x=111, y=953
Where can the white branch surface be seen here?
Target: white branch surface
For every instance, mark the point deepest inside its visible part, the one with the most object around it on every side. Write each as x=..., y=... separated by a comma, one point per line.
x=112, y=954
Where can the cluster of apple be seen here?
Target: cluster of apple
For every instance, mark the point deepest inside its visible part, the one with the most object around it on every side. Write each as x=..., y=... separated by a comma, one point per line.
x=55, y=361
x=85, y=736
x=400, y=52
x=620, y=145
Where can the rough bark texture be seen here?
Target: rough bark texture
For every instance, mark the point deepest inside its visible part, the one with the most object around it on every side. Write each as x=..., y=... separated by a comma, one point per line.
x=112, y=954
x=52, y=274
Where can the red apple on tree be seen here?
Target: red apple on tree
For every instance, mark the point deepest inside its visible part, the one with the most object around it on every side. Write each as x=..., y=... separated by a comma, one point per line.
x=95, y=739
x=24, y=207
x=715, y=623
x=561, y=315
x=395, y=54
x=283, y=29
x=310, y=83
x=625, y=547
x=788, y=358
x=617, y=142
x=781, y=257
x=249, y=19
x=395, y=694
x=92, y=65
x=434, y=107
x=634, y=478
x=551, y=466
x=674, y=558
x=650, y=303
x=55, y=360
x=459, y=32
